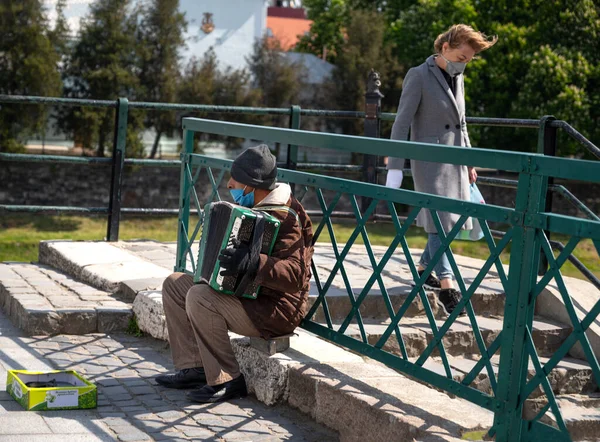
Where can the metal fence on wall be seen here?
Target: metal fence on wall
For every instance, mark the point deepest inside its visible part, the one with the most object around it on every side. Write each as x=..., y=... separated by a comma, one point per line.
x=546, y=127
x=547, y=130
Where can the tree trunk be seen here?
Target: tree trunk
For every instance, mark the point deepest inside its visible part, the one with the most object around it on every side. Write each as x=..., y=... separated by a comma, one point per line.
x=101, y=139
x=103, y=130
x=155, y=145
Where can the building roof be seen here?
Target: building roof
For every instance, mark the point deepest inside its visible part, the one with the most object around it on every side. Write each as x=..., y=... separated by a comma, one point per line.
x=317, y=69
x=287, y=30
x=275, y=11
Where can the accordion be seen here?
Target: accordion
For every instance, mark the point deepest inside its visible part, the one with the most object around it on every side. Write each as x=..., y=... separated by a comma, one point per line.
x=224, y=222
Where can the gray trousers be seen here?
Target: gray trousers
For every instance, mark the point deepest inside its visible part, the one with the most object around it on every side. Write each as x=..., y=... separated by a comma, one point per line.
x=198, y=319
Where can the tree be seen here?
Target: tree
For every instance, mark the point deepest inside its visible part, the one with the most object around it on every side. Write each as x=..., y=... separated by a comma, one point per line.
x=544, y=62
x=557, y=84
x=331, y=18
x=60, y=35
x=103, y=66
x=204, y=83
x=326, y=36
x=417, y=27
x=198, y=81
x=364, y=49
x=161, y=38
x=279, y=81
x=28, y=66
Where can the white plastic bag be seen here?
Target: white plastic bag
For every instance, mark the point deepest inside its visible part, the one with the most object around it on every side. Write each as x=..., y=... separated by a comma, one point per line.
x=476, y=233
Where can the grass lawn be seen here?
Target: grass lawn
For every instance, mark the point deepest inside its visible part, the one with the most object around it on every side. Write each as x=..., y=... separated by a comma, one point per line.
x=21, y=233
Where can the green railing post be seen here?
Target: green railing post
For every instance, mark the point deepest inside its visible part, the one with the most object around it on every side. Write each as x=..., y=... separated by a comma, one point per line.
x=118, y=159
x=547, y=146
x=292, y=150
x=372, y=107
x=184, y=201
x=519, y=308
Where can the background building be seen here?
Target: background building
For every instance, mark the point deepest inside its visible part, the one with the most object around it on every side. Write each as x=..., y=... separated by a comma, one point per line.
x=230, y=28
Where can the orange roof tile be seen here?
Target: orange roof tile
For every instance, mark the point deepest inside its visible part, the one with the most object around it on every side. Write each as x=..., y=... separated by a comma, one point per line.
x=288, y=30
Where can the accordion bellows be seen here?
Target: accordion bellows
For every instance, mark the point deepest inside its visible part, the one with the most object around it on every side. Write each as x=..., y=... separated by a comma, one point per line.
x=224, y=222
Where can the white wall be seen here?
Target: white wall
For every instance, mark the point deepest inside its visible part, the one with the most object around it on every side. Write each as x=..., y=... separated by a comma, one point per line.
x=238, y=23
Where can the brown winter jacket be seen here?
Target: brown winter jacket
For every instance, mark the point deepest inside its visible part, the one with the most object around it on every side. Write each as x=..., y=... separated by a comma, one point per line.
x=284, y=276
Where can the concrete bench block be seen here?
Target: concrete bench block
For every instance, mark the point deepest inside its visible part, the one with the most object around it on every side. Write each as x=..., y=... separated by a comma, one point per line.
x=273, y=345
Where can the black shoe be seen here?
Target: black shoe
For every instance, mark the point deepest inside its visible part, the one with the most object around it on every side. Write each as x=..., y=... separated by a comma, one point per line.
x=186, y=378
x=233, y=389
x=449, y=299
x=431, y=283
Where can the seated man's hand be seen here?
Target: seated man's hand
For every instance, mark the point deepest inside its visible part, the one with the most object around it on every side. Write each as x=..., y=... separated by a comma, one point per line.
x=237, y=259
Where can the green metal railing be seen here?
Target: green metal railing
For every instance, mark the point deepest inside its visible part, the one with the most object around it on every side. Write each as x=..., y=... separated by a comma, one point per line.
x=547, y=128
x=527, y=224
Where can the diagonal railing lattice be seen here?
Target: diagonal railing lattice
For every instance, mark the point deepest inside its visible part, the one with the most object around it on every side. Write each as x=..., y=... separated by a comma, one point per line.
x=524, y=239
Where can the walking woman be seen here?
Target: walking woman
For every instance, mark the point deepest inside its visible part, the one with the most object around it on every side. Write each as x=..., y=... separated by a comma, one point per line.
x=432, y=106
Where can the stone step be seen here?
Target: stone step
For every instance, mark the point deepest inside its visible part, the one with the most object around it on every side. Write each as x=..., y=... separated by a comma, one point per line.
x=459, y=340
x=569, y=377
x=356, y=396
x=42, y=301
x=588, y=400
x=316, y=389
x=374, y=306
x=130, y=267
x=103, y=266
x=581, y=414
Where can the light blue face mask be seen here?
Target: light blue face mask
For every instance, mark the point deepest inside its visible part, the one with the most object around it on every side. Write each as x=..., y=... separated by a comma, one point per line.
x=241, y=199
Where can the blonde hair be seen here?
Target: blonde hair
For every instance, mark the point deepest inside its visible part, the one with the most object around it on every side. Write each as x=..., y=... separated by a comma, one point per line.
x=460, y=34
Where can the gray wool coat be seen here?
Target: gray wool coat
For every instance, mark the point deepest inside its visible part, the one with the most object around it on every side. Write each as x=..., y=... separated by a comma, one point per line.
x=434, y=115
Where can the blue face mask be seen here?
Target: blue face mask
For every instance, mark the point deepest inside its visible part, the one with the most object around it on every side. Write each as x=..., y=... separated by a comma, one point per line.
x=241, y=199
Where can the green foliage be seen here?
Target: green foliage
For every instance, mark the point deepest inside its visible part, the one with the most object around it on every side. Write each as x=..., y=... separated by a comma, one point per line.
x=60, y=34
x=160, y=40
x=364, y=49
x=198, y=83
x=103, y=65
x=28, y=66
x=545, y=61
x=203, y=82
x=133, y=328
x=279, y=81
x=556, y=83
x=417, y=27
x=326, y=36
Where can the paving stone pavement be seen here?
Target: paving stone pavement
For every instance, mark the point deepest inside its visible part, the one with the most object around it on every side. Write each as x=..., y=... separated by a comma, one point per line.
x=131, y=407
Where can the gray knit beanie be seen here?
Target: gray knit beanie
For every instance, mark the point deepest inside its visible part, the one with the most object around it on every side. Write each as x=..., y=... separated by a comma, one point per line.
x=255, y=167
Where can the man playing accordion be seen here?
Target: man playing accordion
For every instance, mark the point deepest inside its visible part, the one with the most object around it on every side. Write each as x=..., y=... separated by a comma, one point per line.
x=198, y=317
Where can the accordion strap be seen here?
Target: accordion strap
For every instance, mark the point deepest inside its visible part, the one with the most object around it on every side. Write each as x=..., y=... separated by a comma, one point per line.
x=255, y=248
x=281, y=208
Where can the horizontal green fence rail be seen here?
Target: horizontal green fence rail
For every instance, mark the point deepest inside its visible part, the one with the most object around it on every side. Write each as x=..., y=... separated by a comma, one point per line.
x=502, y=160
x=528, y=226
x=383, y=116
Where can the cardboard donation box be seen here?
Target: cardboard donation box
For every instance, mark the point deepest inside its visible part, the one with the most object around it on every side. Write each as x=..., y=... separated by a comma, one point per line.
x=51, y=390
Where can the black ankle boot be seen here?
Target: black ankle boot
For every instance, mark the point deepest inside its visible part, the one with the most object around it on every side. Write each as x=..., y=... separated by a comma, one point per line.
x=186, y=378
x=449, y=299
x=431, y=283
x=233, y=389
